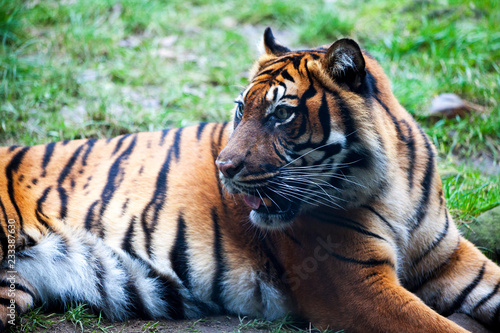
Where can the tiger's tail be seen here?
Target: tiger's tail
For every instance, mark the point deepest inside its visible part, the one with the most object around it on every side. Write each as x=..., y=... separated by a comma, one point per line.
x=74, y=266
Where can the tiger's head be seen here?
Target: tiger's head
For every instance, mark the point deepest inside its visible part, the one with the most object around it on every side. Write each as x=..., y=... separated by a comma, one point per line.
x=302, y=135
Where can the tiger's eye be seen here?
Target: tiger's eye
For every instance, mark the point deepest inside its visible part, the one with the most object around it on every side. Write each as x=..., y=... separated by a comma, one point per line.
x=239, y=110
x=281, y=113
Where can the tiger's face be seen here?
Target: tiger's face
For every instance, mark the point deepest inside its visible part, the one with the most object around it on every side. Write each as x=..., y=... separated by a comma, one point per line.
x=290, y=146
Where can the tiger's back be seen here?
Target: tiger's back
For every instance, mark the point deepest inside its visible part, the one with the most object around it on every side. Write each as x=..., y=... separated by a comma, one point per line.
x=98, y=184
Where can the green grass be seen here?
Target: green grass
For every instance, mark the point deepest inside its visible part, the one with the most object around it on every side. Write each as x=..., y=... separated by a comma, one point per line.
x=286, y=324
x=99, y=68
x=78, y=316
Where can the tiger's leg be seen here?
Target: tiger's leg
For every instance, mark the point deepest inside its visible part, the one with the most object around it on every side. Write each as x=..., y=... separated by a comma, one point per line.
x=360, y=289
x=72, y=266
x=466, y=282
x=369, y=299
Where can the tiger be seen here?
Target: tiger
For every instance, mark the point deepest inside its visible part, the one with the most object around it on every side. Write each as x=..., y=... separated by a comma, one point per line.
x=321, y=199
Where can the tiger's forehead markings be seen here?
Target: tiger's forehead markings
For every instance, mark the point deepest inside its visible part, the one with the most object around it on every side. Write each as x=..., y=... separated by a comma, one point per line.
x=275, y=93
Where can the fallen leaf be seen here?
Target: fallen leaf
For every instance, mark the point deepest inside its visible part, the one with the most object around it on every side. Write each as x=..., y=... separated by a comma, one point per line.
x=450, y=105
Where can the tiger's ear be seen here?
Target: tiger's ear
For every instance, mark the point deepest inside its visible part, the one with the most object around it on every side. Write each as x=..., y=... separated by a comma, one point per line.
x=271, y=46
x=344, y=63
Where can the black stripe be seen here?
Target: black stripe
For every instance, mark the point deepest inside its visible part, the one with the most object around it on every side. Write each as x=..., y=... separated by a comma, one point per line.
x=369, y=276
x=124, y=206
x=407, y=140
x=389, y=225
x=266, y=72
x=17, y=286
x=39, y=204
x=324, y=120
x=496, y=316
x=176, y=146
x=347, y=119
x=353, y=225
x=215, y=147
x=199, y=132
x=410, y=143
x=168, y=291
x=127, y=240
x=457, y=304
x=136, y=303
x=171, y=295
x=67, y=168
x=426, y=184
x=273, y=267
x=275, y=94
x=487, y=297
x=12, y=148
x=119, y=143
x=115, y=176
x=369, y=262
x=220, y=266
x=64, y=202
x=393, y=118
x=12, y=167
x=100, y=273
x=89, y=218
x=163, y=136
x=5, y=301
x=435, y=243
x=292, y=238
x=158, y=199
x=4, y=212
x=90, y=144
x=278, y=153
x=296, y=63
x=49, y=150
x=179, y=254
x=221, y=133
x=284, y=73
x=419, y=281
x=304, y=114
x=3, y=236
x=359, y=157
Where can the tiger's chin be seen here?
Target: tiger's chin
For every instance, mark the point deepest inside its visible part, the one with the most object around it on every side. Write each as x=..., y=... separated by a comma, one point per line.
x=275, y=216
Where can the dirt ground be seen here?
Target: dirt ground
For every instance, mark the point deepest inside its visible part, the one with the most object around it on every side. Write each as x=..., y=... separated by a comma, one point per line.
x=219, y=324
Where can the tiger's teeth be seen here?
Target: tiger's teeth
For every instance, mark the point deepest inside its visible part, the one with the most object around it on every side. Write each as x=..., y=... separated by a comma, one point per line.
x=267, y=202
x=252, y=201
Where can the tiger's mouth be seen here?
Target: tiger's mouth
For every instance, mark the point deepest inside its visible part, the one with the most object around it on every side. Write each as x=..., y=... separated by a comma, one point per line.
x=269, y=210
x=268, y=205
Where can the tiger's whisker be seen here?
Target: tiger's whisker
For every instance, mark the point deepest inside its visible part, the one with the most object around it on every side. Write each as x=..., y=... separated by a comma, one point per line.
x=308, y=182
x=316, y=195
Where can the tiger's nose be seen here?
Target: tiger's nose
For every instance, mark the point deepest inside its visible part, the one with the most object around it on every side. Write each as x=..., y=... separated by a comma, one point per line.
x=228, y=168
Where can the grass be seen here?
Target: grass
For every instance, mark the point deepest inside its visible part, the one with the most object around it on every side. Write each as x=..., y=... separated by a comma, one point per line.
x=78, y=316
x=99, y=68
x=286, y=324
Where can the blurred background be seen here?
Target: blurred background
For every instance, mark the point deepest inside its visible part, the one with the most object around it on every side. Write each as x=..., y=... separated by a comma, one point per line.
x=74, y=69
x=98, y=68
